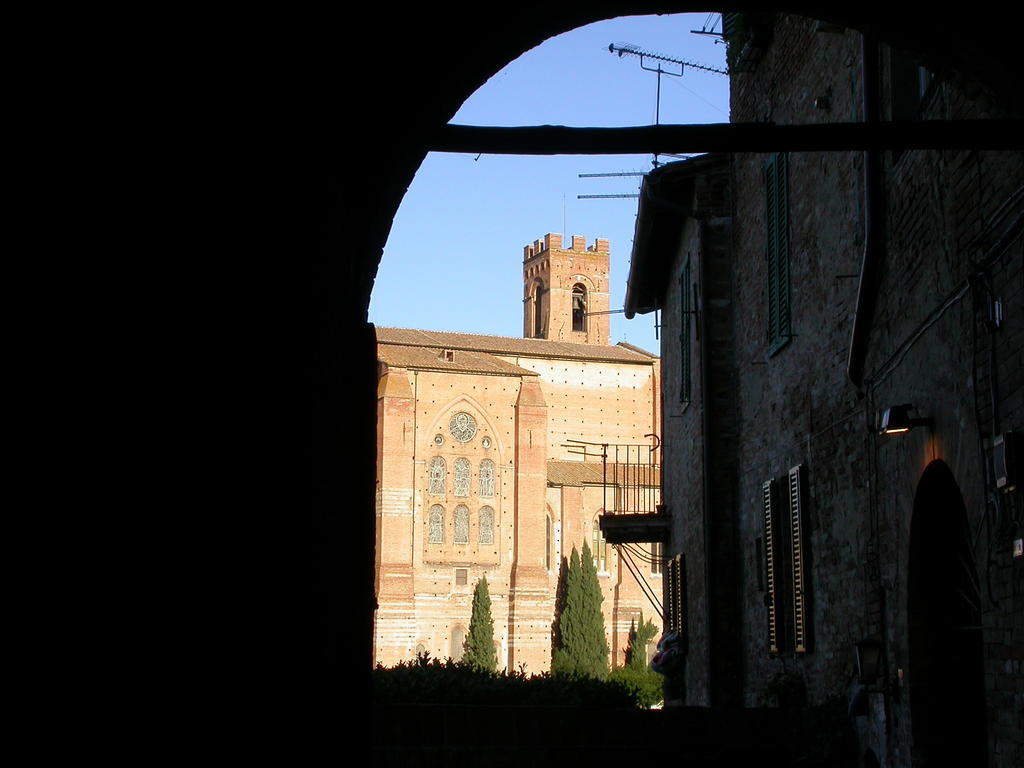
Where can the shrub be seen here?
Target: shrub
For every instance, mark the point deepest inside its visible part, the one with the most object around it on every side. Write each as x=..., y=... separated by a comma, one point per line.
x=430, y=681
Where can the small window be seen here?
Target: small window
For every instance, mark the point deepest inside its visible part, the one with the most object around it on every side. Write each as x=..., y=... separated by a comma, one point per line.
x=486, y=478
x=579, y=308
x=486, y=530
x=461, y=577
x=599, y=547
x=657, y=552
x=462, y=472
x=458, y=640
x=438, y=472
x=547, y=543
x=461, y=524
x=539, y=315
x=436, y=524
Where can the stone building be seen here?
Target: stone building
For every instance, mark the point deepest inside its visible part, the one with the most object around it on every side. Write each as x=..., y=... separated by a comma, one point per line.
x=843, y=352
x=495, y=457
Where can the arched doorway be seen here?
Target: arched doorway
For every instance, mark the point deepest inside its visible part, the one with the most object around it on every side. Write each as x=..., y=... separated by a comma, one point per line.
x=947, y=700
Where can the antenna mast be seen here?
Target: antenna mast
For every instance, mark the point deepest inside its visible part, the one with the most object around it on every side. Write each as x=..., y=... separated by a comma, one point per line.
x=632, y=50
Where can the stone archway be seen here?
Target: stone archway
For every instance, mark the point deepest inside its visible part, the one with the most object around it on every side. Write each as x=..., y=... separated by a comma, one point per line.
x=945, y=671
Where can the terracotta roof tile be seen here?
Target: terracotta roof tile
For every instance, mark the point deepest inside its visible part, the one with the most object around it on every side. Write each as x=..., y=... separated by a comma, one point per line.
x=590, y=473
x=509, y=345
x=463, y=361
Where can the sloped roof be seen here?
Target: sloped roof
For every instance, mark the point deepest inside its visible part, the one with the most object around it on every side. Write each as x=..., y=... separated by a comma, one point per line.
x=509, y=345
x=590, y=473
x=464, y=361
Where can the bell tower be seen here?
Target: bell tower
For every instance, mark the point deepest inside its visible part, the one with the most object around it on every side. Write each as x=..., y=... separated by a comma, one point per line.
x=565, y=290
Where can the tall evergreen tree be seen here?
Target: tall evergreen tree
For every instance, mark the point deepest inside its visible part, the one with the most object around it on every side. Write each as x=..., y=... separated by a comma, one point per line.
x=584, y=647
x=478, y=647
x=639, y=637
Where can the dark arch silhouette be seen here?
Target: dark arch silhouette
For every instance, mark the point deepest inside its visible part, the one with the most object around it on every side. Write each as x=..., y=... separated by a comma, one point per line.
x=945, y=674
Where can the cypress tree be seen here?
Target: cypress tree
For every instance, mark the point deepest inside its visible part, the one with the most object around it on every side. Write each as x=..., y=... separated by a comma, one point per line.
x=584, y=647
x=639, y=637
x=478, y=647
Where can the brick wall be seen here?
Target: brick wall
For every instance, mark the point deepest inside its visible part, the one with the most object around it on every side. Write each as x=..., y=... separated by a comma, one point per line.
x=928, y=345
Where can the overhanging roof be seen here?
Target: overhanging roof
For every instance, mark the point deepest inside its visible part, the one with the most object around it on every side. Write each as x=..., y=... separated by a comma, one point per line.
x=666, y=200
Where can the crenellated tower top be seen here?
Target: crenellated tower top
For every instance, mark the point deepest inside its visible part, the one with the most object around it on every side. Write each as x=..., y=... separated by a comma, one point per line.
x=566, y=290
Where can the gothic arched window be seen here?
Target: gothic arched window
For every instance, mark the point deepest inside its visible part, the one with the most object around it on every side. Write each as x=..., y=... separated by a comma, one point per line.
x=579, y=307
x=486, y=532
x=538, y=310
x=461, y=524
x=461, y=483
x=436, y=524
x=547, y=543
x=438, y=471
x=487, y=478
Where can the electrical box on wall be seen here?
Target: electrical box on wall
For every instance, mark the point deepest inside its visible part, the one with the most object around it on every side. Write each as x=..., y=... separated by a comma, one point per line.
x=1005, y=460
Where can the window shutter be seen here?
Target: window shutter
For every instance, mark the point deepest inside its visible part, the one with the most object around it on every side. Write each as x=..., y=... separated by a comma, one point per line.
x=772, y=586
x=684, y=333
x=675, y=595
x=776, y=179
x=799, y=560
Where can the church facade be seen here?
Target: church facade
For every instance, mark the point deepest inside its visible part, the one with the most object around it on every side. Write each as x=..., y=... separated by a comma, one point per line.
x=495, y=458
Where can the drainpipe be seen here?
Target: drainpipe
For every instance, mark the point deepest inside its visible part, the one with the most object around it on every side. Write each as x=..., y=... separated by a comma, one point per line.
x=874, y=235
x=705, y=361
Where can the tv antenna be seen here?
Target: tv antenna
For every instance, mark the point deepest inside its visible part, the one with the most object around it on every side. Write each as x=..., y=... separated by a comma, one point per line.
x=708, y=28
x=625, y=49
x=608, y=175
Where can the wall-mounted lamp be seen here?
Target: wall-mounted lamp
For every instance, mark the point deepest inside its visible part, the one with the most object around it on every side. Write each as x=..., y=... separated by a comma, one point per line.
x=896, y=420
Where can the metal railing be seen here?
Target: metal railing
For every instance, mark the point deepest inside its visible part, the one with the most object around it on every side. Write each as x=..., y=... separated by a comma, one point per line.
x=630, y=474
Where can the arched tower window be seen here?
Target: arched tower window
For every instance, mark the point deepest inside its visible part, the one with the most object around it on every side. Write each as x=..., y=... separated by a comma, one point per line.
x=487, y=478
x=462, y=477
x=436, y=524
x=597, y=544
x=539, y=315
x=486, y=532
x=579, y=307
x=437, y=476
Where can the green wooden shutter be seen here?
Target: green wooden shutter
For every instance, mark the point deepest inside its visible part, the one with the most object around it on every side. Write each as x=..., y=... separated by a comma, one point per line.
x=801, y=635
x=772, y=587
x=685, y=385
x=675, y=596
x=776, y=180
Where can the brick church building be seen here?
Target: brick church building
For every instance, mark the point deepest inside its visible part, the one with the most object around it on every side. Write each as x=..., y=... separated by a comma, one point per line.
x=495, y=457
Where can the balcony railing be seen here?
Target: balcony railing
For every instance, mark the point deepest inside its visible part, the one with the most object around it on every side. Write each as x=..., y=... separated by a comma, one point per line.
x=631, y=480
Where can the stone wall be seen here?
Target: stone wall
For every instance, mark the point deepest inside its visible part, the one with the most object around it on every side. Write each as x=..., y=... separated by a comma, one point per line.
x=929, y=344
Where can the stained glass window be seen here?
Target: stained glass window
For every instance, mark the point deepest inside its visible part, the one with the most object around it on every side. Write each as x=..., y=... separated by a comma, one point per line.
x=486, y=525
x=462, y=427
x=461, y=524
x=487, y=478
x=462, y=477
x=437, y=476
x=436, y=524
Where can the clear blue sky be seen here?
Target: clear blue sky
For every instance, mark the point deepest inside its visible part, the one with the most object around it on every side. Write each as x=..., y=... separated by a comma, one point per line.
x=453, y=260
